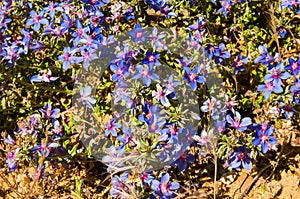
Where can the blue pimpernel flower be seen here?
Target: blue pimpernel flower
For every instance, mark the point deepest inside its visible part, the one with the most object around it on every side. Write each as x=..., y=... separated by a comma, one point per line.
x=110, y=127
x=120, y=71
x=52, y=7
x=238, y=123
x=160, y=95
x=129, y=13
x=240, y=156
x=12, y=160
x=268, y=88
x=150, y=112
x=146, y=73
x=221, y=54
x=151, y=59
x=68, y=57
x=163, y=188
x=138, y=34
x=226, y=5
x=113, y=157
x=9, y=140
x=37, y=45
x=85, y=97
x=264, y=139
x=49, y=113
x=88, y=54
x=44, y=76
x=127, y=137
x=183, y=160
x=118, y=185
x=36, y=20
x=239, y=64
x=212, y=51
x=281, y=31
x=44, y=150
x=265, y=57
x=276, y=74
x=287, y=109
x=200, y=23
x=294, y=66
x=193, y=77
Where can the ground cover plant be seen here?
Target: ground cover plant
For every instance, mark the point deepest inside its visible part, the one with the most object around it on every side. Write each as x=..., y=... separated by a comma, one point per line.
x=150, y=99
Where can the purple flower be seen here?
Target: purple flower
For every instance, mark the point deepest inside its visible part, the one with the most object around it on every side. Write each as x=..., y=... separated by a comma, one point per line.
x=294, y=66
x=36, y=20
x=241, y=156
x=183, y=160
x=68, y=57
x=164, y=188
x=49, y=113
x=265, y=57
x=265, y=139
x=268, y=88
x=85, y=97
x=239, y=64
x=44, y=76
x=281, y=31
x=146, y=73
x=221, y=54
x=236, y=121
x=212, y=51
x=295, y=90
x=111, y=127
x=276, y=75
x=193, y=77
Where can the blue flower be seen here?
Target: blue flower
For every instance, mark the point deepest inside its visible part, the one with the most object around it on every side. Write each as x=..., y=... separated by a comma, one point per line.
x=276, y=75
x=200, y=23
x=118, y=185
x=265, y=57
x=138, y=34
x=237, y=123
x=183, y=160
x=147, y=74
x=44, y=150
x=193, y=77
x=36, y=20
x=294, y=66
x=49, y=113
x=111, y=127
x=226, y=4
x=268, y=88
x=12, y=160
x=120, y=71
x=287, y=109
x=160, y=95
x=281, y=31
x=241, y=156
x=151, y=59
x=88, y=54
x=149, y=113
x=264, y=138
x=68, y=57
x=85, y=98
x=164, y=188
x=239, y=64
x=45, y=76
